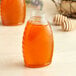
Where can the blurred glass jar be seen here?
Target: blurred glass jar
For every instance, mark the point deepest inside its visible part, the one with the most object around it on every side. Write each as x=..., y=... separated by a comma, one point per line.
x=13, y=12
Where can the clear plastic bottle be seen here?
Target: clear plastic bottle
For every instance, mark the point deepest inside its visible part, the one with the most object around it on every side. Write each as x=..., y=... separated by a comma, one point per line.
x=38, y=42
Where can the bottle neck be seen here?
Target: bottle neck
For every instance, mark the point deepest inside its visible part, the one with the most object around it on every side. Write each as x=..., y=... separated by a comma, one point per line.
x=39, y=20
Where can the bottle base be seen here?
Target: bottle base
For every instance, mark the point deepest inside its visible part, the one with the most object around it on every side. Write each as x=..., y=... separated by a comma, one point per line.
x=37, y=66
x=13, y=24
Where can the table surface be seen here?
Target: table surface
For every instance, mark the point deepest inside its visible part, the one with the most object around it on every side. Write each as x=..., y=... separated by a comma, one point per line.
x=11, y=60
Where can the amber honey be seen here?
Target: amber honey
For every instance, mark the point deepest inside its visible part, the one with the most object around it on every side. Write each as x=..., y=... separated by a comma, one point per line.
x=37, y=44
